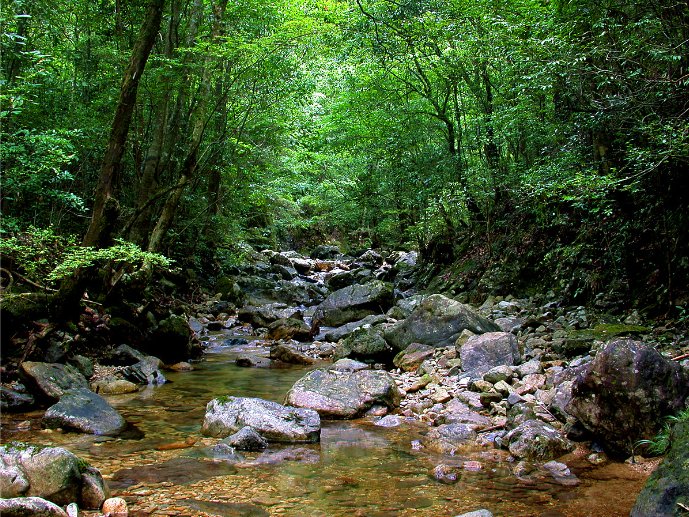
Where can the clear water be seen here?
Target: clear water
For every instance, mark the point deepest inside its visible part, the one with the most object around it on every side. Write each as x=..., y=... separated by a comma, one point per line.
x=163, y=466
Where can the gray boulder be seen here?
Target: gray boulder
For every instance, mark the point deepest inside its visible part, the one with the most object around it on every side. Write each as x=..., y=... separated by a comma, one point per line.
x=253, y=361
x=344, y=279
x=364, y=344
x=349, y=365
x=479, y=354
x=437, y=321
x=84, y=411
x=669, y=483
x=623, y=395
x=353, y=303
x=146, y=372
x=172, y=340
x=51, y=473
x=30, y=507
x=51, y=380
x=345, y=330
x=246, y=439
x=536, y=441
x=325, y=252
x=273, y=421
x=335, y=394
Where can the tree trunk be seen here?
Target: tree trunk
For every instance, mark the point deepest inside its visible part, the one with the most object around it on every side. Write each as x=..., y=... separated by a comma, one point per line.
x=106, y=207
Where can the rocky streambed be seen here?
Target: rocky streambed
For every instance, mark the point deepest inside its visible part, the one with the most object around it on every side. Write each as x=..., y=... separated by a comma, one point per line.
x=330, y=386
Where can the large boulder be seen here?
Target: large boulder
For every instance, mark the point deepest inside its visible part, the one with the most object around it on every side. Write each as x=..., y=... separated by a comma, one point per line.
x=481, y=353
x=52, y=473
x=623, y=395
x=669, y=484
x=437, y=321
x=354, y=303
x=337, y=394
x=345, y=330
x=342, y=279
x=325, y=252
x=534, y=440
x=51, y=380
x=275, y=422
x=84, y=411
x=364, y=344
x=30, y=507
x=172, y=340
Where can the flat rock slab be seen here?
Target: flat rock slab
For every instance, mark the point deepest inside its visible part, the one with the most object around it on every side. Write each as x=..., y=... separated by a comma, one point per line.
x=337, y=394
x=86, y=412
x=275, y=422
x=353, y=303
x=51, y=380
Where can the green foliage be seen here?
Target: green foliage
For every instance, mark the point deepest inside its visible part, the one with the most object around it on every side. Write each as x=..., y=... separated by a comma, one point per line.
x=45, y=257
x=662, y=441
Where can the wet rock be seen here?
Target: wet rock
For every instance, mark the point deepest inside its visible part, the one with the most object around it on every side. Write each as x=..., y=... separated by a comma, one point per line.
x=344, y=279
x=437, y=321
x=275, y=422
x=389, y=421
x=51, y=380
x=668, y=486
x=289, y=353
x=364, y=344
x=113, y=386
x=623, y=395
x=448, y=474
x=336, y=394
x=536, y=441
x=349, y=365
x=448, y=438
x=246, y=439
x=252, y=361
x=289, y=328
x=481, y=353
x=182, y=366
x=146, y=372
x=30, y=507
x=84, y=411
x=411, y=357
x=15, y=401
x=561, y=473
x=353, y=303
x=345, y=330
x=264, y=315
x=51, y=473
x=477, y=513
x=370, y=258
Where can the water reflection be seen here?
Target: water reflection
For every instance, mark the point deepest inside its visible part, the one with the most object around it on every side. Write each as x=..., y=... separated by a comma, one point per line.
x=357, y=469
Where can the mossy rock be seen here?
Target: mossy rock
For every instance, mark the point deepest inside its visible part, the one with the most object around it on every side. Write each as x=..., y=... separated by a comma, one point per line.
x=607, y=331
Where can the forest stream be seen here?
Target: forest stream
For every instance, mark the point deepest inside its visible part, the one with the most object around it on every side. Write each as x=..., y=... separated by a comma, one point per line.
x=357, y=468
x=163, y=465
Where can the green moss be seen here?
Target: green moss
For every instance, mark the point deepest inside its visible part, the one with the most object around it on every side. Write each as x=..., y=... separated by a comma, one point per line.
x=606, y=331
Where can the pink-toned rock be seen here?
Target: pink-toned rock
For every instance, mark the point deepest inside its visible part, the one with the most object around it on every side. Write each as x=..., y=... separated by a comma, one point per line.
x=115, y=507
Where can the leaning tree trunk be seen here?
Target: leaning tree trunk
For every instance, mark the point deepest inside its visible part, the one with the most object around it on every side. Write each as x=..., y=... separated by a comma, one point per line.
x=105, y=205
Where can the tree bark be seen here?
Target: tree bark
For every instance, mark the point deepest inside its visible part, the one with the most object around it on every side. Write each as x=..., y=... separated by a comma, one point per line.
x=105, y=205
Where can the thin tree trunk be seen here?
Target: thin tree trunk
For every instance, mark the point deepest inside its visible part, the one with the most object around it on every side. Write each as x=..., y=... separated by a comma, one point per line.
x=106, y=207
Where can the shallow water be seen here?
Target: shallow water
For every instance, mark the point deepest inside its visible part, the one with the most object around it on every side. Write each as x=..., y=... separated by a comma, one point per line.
x=163, y=466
